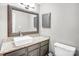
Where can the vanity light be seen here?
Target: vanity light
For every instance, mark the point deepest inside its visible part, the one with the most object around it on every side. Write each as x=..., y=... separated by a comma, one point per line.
x=28, y=6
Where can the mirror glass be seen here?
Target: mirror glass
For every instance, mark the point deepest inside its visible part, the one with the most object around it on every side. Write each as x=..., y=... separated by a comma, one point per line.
x=23, y=22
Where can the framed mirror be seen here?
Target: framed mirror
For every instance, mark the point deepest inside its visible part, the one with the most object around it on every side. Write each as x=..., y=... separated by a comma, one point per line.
x=20, y=20
x=46, y=20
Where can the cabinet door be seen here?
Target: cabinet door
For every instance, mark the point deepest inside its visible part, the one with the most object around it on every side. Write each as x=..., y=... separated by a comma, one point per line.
x=16, y=53
x=33, y=47
x=34, y=53
x=44, y=50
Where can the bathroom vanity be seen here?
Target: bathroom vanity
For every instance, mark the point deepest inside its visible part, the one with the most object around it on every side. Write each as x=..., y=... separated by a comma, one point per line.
x=38, y=47
x=22, y=23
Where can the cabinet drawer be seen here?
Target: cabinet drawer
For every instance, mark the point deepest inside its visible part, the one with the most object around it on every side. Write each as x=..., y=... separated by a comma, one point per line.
x=34, y=53
x=44, y=43
x=33, y=47
x=16, y=53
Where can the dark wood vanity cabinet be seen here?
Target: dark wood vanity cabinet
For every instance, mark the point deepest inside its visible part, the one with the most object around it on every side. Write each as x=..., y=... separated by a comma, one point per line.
x=34, y=50
x=44, y=50
x=34, y=53
x=16, y=53
x=38, y=49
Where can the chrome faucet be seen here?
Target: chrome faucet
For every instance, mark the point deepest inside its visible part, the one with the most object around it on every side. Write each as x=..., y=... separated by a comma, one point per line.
x=20, y=33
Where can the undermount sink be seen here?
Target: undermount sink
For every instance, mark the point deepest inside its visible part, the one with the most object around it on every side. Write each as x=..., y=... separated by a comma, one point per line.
x=18, y=41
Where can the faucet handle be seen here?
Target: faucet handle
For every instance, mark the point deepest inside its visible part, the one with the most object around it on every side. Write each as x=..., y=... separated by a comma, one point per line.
x=20, y=33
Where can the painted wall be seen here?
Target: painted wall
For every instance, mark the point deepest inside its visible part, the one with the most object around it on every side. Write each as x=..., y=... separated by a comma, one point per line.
x=64, y=23
x=3, y=20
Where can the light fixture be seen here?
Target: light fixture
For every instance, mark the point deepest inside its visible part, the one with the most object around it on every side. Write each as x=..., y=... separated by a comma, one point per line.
x=28, y=6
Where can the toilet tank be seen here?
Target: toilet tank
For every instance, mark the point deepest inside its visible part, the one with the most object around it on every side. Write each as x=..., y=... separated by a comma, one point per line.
x=64, y=50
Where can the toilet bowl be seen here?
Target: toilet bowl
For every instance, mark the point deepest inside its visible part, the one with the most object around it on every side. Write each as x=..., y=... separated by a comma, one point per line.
x=64, y=50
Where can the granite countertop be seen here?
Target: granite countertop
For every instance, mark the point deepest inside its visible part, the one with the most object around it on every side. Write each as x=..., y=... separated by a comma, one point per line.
x=9, y=45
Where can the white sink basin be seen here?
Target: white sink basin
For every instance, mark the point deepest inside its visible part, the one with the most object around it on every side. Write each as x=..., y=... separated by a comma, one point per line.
x=18, y=41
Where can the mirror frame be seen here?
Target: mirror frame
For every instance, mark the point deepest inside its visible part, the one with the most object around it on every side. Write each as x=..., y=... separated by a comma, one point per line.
x=10, y=8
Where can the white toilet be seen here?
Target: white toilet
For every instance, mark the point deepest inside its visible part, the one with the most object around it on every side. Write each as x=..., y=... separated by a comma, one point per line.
x=64, y=50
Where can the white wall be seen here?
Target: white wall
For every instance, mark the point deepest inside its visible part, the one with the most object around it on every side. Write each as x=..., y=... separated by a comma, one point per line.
x=64, y=23
x=3, y=20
